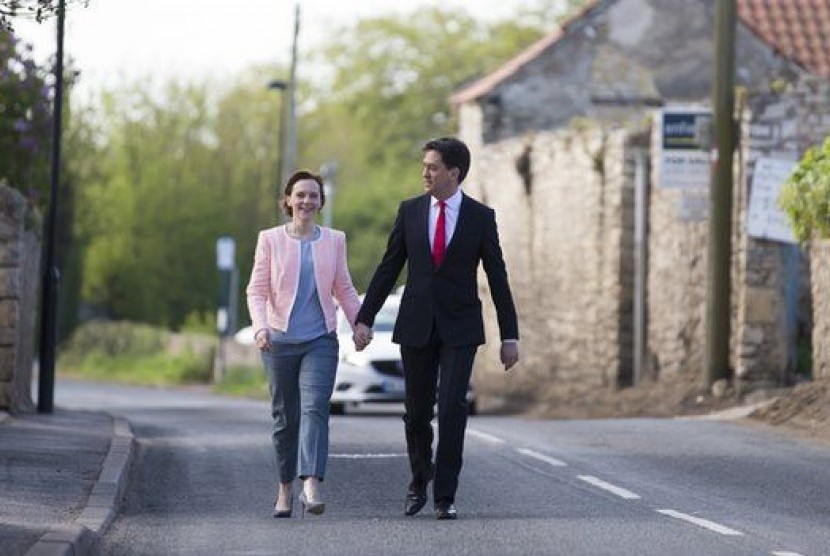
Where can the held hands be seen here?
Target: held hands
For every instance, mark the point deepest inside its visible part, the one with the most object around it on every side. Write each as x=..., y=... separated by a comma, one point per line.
x=362, y=336
x=509, y=354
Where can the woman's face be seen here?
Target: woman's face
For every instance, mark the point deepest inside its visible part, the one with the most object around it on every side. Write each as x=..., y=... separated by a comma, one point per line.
x=304, y=200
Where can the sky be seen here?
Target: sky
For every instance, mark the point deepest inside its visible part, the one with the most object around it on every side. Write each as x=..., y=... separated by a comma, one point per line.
x=113, y=41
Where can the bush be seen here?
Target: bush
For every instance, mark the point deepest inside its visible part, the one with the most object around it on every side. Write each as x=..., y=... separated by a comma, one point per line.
x=114, y=339
x=132, y=353
x=25, y=119
x=805, y=198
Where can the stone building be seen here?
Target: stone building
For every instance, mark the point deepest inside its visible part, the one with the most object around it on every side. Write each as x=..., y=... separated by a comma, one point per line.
x=564, y=137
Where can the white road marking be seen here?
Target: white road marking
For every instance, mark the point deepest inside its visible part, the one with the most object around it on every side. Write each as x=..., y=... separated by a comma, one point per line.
x=366, y=456
x=779, y=553
x=485, y=436
x=711, y=525
x=542, y=457
x=619, y=491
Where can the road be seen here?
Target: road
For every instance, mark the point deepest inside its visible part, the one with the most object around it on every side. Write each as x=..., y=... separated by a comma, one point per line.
x=204, y=484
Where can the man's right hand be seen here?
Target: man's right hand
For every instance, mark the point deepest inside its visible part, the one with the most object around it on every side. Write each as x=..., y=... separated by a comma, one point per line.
x=509, y=354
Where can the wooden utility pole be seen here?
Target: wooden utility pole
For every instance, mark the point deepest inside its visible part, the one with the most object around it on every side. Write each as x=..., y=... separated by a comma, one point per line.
x=289, y=140
x=718, y=314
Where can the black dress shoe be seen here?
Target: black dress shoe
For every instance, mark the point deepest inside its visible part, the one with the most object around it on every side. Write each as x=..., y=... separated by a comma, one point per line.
x=445, y=510
x=414, y=502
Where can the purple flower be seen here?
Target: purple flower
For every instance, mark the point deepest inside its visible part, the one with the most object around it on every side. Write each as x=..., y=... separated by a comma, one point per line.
x=29, y=143
x=21, y=125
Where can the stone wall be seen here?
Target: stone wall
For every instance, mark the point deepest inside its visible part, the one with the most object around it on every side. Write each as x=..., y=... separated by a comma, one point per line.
x=676, y=275
x=564, y=205
x=770, y=279
x=19, y=271
x=563, y=234
x=774, y=294
x=820, y=267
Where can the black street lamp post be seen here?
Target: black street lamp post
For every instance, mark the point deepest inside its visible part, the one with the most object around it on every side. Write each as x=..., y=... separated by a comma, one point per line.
x=48, y=305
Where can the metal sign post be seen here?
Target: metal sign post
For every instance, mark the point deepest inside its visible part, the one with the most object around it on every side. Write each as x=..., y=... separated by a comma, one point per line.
x=226, y=307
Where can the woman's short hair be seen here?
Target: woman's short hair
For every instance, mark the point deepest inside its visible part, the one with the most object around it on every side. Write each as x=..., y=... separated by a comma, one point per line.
x=300, y=175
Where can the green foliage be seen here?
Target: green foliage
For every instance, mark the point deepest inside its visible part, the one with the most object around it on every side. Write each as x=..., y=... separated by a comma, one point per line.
x=203, y=322
x=132, y=353
x=158, y=176
x=176, y=174
x=38, y=10
x=391, y=81
x=25, y=119
x=805, y=198
x=113, y=339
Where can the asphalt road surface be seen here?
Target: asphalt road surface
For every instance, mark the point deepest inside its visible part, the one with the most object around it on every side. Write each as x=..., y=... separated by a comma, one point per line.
x=204, y=483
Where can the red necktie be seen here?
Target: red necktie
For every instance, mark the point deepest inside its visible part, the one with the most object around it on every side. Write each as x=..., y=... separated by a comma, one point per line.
x=439, y=243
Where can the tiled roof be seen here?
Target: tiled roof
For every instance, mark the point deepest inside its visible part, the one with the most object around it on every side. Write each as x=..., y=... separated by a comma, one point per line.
x=797, y=29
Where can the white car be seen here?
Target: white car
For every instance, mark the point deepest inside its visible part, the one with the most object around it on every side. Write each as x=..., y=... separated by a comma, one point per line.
x=245, y=336
x=373, y=378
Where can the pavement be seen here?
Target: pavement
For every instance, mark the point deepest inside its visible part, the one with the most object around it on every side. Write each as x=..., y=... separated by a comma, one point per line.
x=62, y=479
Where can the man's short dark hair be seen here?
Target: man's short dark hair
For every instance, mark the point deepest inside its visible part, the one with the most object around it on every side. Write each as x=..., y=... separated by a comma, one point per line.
x=454, y=154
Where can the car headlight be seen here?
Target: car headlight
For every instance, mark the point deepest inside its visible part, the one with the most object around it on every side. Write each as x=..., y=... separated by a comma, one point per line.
x=357, y=358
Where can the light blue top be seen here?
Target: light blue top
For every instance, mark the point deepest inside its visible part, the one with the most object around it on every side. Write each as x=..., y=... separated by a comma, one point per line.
x=307, y=320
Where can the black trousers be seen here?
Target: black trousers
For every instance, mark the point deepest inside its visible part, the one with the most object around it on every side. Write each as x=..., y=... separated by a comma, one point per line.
x=445, y=370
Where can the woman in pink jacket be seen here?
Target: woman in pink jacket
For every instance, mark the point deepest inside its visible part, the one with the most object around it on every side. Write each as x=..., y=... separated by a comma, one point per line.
x=299, y=270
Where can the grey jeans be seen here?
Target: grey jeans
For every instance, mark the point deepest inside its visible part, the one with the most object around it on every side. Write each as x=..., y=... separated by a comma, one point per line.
x=301, y=379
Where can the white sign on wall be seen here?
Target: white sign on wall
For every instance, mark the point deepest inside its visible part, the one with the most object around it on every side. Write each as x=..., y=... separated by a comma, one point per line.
x=765, y=220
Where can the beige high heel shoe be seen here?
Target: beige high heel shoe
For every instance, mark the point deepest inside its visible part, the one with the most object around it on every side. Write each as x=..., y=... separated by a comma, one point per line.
x=314, y=508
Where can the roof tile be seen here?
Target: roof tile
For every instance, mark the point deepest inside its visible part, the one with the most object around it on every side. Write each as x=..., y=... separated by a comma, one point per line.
x=798, y=29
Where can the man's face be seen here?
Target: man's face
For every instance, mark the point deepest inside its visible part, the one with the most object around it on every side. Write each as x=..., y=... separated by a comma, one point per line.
x=441, y=182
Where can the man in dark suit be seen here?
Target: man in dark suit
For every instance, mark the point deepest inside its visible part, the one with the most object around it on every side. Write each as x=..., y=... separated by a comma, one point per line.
x=442, y=236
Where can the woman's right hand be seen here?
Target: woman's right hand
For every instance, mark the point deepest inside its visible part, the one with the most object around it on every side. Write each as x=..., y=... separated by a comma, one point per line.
x=261, y=338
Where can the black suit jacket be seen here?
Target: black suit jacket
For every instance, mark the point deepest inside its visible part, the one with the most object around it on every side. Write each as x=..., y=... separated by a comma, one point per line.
x=446, y=296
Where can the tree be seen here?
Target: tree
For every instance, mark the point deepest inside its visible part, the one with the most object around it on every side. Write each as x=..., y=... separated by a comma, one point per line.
x=391, y=78
x=37, y=9
x=175, y=172
x=159, y=176
x=25, y=119
x=805, y=198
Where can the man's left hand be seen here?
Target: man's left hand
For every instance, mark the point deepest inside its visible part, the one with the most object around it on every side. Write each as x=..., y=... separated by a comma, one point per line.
x=509, y=354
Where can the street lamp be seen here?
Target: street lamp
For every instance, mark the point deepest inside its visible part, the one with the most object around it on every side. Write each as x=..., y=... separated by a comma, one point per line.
x=49, y=295
x=281, y=86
